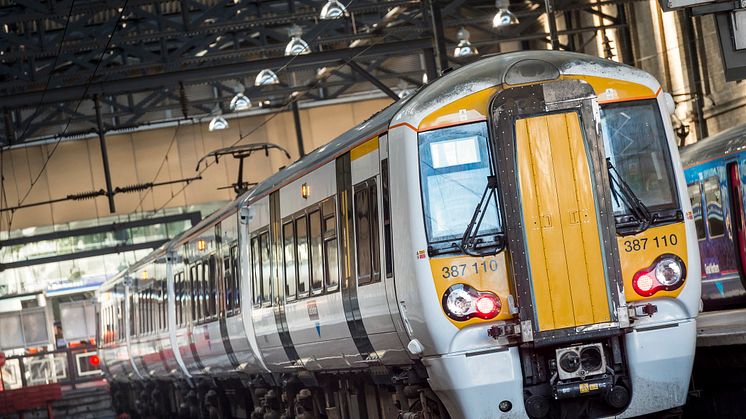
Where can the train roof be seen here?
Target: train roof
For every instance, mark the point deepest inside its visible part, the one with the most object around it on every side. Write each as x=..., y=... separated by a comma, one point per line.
x=726, y=142
x=496, y=70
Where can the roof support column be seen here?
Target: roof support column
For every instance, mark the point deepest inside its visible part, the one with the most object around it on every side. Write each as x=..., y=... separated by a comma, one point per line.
x=104, y=154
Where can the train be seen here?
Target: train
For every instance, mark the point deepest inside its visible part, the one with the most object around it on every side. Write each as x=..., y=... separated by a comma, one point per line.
x=512, y=240
x=715, y=171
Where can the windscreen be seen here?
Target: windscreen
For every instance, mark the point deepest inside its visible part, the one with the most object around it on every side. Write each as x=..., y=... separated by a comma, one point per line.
x=635, y=140
x=454, y=166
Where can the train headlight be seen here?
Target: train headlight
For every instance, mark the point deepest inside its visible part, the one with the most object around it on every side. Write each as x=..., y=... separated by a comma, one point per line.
x=667, y=273
x=462, y=302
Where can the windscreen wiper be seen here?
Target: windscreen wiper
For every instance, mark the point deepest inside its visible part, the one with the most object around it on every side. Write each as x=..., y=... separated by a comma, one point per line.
x=470, y=240
x=621, y=190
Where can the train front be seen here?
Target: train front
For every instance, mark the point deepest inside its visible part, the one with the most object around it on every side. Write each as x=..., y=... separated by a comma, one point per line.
x=544, y=226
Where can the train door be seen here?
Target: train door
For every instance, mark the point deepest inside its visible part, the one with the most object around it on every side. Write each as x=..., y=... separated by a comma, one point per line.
x=737, y=215
x=377, y=332
x=552, y=175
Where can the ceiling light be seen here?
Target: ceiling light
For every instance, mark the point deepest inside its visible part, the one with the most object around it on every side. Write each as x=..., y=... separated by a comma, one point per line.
x=296, y=46
x=240, y=102
x=504, y=17
x=464, y=47
x=266, y=77
x=333, y=9
x=218, y=123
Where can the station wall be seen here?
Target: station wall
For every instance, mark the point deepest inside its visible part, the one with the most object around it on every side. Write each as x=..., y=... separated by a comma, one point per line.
x=135, y=158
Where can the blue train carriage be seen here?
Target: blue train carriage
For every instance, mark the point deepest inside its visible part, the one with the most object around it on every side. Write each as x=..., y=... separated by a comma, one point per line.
x=715, y=168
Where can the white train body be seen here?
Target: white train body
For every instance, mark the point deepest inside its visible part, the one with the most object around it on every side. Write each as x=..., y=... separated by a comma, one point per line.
x=329, y=267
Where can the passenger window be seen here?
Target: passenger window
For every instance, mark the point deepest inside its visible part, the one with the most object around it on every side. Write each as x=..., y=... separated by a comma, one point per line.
x=133, y=309
x=236, y=278
x=288, y=242
x=362, y=236
x=266, y=269
x=301, y=231
x=213, y=280
x=193, y=290
x=228, y=281
x=199, y=298
x=366, y=232
x=331, y=262
x=695, y=196
x=256, y=263
x=317, y=264
x=389, y=257
x=713, y=200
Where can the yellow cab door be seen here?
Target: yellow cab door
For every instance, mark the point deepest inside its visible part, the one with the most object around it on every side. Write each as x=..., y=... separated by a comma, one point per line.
x=554, y=186
x=559, y=209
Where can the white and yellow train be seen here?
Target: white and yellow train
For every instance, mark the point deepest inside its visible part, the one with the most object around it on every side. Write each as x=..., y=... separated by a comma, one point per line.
x=512, y=240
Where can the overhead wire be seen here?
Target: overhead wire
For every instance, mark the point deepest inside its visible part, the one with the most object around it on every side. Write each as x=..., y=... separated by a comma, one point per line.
x=77, y=106
x=271, y=117
x=241, y=136
x=51, y=71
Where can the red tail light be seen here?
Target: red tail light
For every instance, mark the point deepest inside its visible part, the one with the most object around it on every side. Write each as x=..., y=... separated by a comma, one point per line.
x=94, y=360
x=667, y=273
x=487, y=306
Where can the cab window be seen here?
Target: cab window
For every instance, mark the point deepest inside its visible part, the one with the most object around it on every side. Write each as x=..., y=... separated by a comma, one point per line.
x=454, y=166
x=635, y=142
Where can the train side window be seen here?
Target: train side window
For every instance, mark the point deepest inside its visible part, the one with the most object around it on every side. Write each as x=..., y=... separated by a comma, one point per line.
x=366, y=233
x=205, y=290
x=200, y=292
x=331, y=255
x=374, y=232
x=714, y=207
x=388, y=249
x=256, y=277
x=213, y=280
x=229, y=286
x=301, y=231
x=236, y=278
x=317, y=261
x=695, y=196
x=177, y=298
x=266, y=269
x=288, y=243
x=193, y=290
x=362, y=235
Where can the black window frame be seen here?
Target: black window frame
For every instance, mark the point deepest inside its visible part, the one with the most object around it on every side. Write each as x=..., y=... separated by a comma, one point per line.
x=444, y=244
x=667, y=211
x=369, y=189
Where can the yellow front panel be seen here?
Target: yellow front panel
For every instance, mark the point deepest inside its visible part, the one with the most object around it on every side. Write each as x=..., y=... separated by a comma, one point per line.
x=569, y=285
x=640, y=251
x=489, y=273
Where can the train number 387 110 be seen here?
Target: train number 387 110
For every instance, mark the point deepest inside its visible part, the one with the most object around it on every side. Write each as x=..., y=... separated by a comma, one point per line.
x=635, y=245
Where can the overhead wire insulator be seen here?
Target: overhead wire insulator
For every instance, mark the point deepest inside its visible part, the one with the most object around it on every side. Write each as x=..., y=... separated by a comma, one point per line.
x=133, y=188
x=86, y=195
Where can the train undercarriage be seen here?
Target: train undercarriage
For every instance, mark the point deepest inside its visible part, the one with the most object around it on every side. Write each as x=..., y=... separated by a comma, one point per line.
x=401, y=394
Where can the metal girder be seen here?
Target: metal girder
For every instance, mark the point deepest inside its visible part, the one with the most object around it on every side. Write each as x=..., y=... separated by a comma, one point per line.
x=165, y=53
x=196, y=75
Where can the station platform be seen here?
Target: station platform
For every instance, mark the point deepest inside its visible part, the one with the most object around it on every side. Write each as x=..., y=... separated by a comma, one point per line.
x=721, y=328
